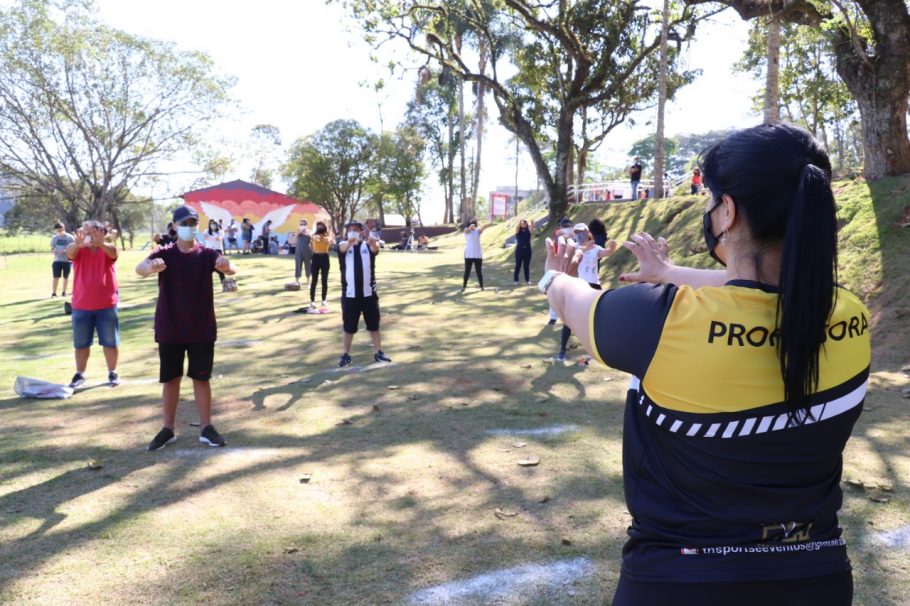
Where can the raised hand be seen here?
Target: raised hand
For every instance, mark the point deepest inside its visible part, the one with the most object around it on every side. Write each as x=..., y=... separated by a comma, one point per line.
x=653, y=259
x=563, y=256
x=222, y=264
x=157, y=265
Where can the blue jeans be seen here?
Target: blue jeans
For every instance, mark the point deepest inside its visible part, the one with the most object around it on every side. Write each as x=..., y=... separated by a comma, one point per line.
x=635, y=190
x=104, y=321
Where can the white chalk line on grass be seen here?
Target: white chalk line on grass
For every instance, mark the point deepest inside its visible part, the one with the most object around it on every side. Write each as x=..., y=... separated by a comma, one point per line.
x=517, y=584
x=899, y=538
x=554, y=430
x=241, y=452
x=238, y=343
x=367, y=368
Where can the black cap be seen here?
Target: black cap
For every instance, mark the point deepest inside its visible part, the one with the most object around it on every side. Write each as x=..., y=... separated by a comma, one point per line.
x=565, y=222
x=353, y=223
x=182, y=213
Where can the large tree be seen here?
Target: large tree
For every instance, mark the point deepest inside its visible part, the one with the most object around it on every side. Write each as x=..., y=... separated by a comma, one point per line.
x=811, y=93
x=595, y=56
x=871, y=42
x=434, y=114
x=87, y=111
x=333, y=167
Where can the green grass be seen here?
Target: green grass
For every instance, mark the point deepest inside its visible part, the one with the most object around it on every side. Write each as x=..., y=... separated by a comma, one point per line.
x=18, y=243
x=403, y=495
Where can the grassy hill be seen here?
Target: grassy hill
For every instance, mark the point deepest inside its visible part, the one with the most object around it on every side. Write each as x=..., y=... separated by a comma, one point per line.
x=874, y=250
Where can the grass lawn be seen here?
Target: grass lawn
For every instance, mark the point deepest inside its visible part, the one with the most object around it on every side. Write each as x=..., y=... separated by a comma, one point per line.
x=350, y=487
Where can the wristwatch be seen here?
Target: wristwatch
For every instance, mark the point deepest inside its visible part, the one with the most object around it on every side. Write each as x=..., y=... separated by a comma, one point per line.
x=547, y=280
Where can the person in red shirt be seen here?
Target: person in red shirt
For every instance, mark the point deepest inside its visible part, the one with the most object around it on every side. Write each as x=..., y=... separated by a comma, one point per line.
x=696, y=181
x=185, y=322
x=94, y=299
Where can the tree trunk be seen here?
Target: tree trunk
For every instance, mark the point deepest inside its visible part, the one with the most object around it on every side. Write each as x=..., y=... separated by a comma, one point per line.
x=559, y=186
x=480, y=117
x=659, y=146
x=450, y=176
x=772, y=73
x=885, y=144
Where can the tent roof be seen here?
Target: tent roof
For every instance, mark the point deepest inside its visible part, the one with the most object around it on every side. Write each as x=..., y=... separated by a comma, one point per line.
x=231, y=188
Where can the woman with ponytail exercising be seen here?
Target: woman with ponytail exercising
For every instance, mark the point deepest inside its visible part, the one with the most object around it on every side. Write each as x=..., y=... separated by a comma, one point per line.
x=747, y=382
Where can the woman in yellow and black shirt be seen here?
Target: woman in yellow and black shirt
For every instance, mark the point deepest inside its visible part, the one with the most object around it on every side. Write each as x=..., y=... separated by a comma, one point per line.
x=746, y=385
x=321, y=242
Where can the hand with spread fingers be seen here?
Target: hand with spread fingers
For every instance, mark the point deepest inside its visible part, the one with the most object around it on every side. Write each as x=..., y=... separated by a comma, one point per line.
x=653, y=256
x=563, y=256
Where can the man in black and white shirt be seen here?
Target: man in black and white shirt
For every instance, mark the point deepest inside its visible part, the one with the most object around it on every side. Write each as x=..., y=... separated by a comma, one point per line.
x=357, y=260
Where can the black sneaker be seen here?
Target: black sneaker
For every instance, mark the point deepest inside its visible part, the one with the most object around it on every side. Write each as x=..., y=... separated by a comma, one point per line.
x=164, y=437
x=381, y=357
x=211, y=437
x=53, y=295
x=552, y=322
x=344, y=361
x=113, y=379
x=561, y=356
x=78, y=380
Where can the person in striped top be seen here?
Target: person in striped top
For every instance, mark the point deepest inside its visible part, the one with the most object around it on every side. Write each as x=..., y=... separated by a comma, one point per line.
x=357, y=262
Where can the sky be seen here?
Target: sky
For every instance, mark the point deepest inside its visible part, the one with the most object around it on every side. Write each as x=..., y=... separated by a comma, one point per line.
x=300, y=65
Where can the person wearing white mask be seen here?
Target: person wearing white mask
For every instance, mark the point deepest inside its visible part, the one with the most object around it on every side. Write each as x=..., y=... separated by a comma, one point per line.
x=185, y=322
x=357, y=262
x=587, y=271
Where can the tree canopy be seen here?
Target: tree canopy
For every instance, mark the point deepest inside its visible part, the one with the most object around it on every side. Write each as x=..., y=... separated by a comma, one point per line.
x=333, y=167
x=87, y=111
x=550, y=64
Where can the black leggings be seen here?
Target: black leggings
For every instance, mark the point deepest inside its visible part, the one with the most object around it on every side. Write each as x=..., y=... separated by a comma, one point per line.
x=319, y=264
x=478, y=265
x=566, y=331
x=831, y=590
x=523, y=259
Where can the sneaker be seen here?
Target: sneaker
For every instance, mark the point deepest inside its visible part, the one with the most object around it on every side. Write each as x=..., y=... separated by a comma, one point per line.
x=344, y=361
x=381, y=357
x=312, y=304
x=53, y=295
x=164, y=437
x=113, y=379
x=552, y=322
x=78, y=380
x=64, y=294
x=324, y=304
x=527, y=283
x=561, y=356
x=515, y=282
x=209, y=436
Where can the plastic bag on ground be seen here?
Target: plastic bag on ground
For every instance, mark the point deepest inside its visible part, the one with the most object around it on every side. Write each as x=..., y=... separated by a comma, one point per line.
x=27, y=387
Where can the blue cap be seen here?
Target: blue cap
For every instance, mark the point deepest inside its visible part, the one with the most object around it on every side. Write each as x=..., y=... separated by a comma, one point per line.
x=182, y=213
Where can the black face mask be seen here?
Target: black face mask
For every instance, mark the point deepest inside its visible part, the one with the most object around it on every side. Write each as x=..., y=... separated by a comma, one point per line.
x=710, y=239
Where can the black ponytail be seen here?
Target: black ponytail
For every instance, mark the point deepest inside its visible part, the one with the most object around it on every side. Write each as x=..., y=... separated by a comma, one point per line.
x=808, y=276
x=779, y=178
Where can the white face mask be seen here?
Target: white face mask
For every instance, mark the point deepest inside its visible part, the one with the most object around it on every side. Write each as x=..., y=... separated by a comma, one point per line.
x=568, y=232
x=353, y=234
x=187, y=232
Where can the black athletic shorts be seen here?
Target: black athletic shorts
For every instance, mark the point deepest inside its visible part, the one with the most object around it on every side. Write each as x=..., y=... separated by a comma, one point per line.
x=61, y=269
x=201, y=356
x=353, y=307
x=833, y=590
